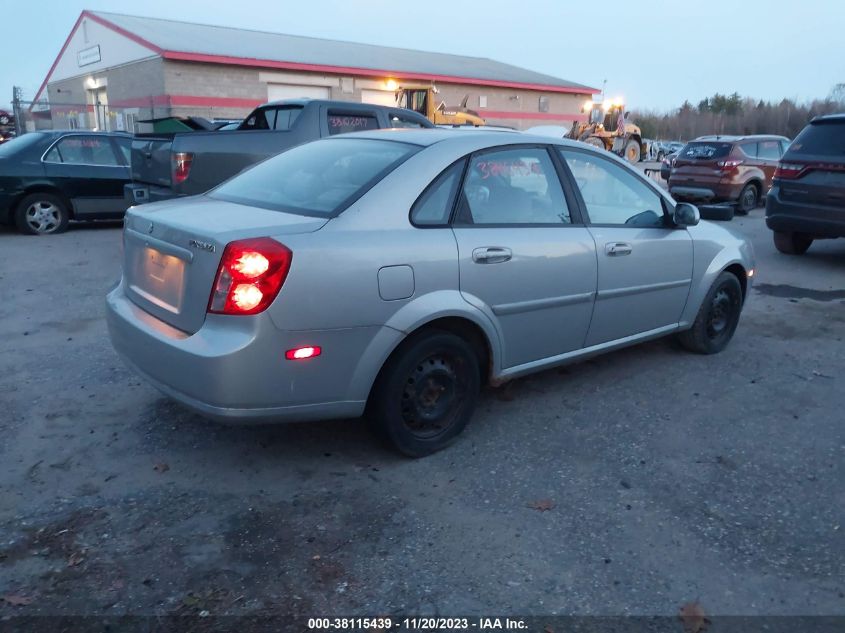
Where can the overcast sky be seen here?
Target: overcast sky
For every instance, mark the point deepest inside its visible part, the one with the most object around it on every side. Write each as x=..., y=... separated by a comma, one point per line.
x=655, y=53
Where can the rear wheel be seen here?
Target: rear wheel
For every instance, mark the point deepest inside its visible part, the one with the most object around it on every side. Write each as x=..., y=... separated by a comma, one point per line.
x=792, y=243
x=426, y=392
x=632, y=151
x=749, y=198
x=717, y=318
x=42, y=214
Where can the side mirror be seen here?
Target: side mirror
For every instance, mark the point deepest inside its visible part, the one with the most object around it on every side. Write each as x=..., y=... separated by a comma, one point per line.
x=686, y=214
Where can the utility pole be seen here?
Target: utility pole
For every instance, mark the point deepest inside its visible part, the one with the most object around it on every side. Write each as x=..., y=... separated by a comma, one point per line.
x=17, y=93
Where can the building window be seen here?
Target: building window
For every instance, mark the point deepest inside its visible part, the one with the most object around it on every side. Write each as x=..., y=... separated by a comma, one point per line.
x=544, y=104
x=482, y=101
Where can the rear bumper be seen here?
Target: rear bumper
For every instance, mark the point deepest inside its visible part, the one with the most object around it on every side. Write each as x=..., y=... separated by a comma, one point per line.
x=716, y=192
x=813, y=220
x=135, y=194
x=233, y=369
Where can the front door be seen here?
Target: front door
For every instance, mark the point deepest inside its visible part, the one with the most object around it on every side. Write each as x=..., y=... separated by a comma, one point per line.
x=525, y=258
x=644, y=264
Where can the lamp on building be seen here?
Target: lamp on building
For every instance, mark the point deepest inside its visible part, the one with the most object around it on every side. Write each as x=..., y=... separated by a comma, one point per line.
x=391, y=84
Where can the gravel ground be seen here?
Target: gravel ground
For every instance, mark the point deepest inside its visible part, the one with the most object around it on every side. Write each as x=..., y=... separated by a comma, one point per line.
x=629, y=484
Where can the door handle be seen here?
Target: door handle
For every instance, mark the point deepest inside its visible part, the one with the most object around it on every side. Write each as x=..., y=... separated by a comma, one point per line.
x=615, y=249
x=491, y=255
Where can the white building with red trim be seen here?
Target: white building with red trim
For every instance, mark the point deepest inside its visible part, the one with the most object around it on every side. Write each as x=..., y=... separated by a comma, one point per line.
x=114, y=69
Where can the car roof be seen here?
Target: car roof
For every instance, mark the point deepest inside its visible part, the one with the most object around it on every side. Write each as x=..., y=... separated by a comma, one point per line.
x=731, y=138
x=830, y=118
x=479, y=136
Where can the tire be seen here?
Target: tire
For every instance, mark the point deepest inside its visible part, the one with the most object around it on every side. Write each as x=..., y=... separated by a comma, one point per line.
x=748, y=200
x=632, y=151
x=595, y=141
x=792, y=243
x=426, y=392
x=717, y=318
x=42, y=214
x=721, y=213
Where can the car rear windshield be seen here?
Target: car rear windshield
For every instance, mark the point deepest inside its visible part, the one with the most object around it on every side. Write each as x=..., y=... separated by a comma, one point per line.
x=321, y=178
x=701, y=150
x=820, y=139
x=10, y=148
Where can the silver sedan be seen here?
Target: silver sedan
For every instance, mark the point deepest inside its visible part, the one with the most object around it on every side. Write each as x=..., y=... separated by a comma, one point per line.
x=393, y=273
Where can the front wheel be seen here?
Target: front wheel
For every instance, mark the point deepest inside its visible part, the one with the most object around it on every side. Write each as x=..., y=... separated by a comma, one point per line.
x=792, y=243
x=717, y=318
x=426, y=393
x=632, y=151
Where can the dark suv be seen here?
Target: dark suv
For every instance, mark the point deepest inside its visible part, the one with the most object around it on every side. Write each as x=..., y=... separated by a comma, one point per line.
x=735, y=169
x=807, y=200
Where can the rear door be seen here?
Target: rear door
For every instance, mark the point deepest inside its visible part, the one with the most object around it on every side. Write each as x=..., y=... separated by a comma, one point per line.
x=91, y=171
x=644, y=265
x=525, y=259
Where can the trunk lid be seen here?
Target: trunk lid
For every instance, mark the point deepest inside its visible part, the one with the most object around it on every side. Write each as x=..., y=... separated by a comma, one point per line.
x=150, y=159
x=821, y=184
x=172, y=251
x=699, y=162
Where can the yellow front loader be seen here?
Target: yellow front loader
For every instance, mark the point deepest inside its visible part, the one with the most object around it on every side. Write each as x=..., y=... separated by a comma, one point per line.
x=422, y=99
x=607, y=127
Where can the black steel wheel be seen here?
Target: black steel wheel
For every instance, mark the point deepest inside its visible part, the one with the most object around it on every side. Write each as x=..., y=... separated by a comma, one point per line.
x=717, y=318
x=426, y=392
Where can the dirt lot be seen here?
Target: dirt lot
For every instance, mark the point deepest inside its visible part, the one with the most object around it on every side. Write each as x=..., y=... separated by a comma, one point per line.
x=630, y=484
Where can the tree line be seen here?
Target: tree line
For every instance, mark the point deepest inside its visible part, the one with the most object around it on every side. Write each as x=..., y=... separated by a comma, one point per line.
x=733, y=114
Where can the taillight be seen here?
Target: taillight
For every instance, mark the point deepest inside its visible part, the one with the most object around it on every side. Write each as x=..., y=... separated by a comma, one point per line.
x=249, y=277
x=729, y=164
x=789, y=171
x=181, y=163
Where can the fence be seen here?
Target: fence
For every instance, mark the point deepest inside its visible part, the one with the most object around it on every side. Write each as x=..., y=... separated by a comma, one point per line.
x=31, y=116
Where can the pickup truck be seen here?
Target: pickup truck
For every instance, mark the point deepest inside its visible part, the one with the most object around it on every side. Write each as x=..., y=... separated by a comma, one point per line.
x=169, y=165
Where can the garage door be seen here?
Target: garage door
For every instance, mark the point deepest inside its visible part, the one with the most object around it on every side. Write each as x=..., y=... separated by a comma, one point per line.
x=275, y=92
x=378, y=97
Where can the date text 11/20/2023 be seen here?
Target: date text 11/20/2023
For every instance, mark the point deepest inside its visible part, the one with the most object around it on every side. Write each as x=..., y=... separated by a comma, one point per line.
x=416, y=624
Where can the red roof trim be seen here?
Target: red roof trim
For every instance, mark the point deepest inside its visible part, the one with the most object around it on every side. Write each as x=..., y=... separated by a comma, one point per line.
x=187, y=101
x=370, y=72
x=99, y=20
x=114, y=27
x=58, y=57
x=543, y=116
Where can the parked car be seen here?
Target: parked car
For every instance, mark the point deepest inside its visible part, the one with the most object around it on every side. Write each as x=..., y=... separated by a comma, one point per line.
x=395, y=272
x=664, y=148
x=666, y=165
x=736, y=169
x=807, y=199
x=49, y=178
x=171, y=165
